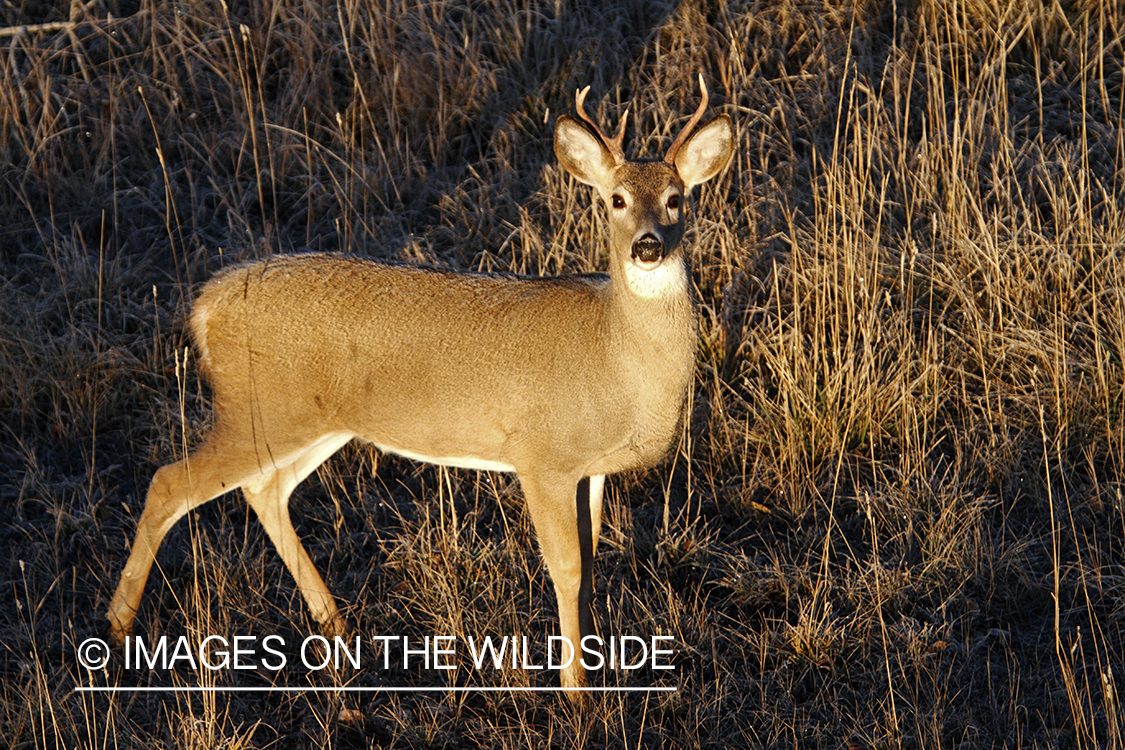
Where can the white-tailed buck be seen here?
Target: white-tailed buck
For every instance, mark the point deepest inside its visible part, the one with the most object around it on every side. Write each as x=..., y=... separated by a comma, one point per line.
x=560, y=379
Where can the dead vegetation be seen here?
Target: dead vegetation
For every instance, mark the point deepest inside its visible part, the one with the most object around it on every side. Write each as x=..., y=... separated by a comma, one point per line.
x=896, y=519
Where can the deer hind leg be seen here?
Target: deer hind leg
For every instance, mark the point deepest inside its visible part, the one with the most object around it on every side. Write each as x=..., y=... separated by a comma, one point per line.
x=215, y=468
x=558, y=519
x=221, y=464
x=269, y=495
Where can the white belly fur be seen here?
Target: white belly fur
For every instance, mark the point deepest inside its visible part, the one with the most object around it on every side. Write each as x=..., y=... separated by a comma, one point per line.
x=457, y=462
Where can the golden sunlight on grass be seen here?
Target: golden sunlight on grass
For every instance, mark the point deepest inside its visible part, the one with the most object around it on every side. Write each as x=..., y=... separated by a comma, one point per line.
x=895, y=518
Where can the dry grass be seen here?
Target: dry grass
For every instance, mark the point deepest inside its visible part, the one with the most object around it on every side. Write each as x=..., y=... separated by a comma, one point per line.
x=897, y=518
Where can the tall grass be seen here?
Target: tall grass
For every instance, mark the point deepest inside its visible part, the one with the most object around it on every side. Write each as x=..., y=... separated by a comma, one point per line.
x=895, y=519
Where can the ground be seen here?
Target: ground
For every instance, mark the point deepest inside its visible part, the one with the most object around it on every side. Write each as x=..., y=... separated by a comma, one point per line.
x=894, y=518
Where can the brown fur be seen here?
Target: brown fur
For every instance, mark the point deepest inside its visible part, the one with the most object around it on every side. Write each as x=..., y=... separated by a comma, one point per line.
x=558, y=379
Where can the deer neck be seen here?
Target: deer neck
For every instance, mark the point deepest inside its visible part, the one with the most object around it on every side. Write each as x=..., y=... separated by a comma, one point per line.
x=653, y=314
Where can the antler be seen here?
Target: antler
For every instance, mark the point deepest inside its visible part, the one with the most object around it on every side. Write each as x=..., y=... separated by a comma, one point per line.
x=670, y=157
x=614, y=144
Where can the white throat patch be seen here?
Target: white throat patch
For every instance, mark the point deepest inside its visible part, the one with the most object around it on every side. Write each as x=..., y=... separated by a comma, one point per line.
x=667, y=279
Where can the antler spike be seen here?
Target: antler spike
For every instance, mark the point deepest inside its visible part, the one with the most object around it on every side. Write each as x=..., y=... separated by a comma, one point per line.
x=619, y=138
x=670, y=157
x=614, y=144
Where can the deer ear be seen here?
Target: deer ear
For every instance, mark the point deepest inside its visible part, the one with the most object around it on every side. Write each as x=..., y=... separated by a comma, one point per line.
x=706, y=152
x=581, y=152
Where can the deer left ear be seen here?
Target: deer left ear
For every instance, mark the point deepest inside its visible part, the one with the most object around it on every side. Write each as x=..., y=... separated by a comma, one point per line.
x=706, y=152
x=581, y=152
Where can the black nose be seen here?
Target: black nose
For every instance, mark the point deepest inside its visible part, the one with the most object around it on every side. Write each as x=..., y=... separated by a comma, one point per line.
x=648, y=249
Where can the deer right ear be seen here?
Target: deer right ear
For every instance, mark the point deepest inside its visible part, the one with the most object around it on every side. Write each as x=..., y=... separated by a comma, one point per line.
x=581, y=152
x=706, y=152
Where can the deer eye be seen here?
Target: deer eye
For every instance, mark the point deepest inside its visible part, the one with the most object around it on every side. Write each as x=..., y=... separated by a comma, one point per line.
x=673, y=202
x=618, y=201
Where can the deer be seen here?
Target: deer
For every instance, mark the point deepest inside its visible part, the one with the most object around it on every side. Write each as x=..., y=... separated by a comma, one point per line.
x=562, y=380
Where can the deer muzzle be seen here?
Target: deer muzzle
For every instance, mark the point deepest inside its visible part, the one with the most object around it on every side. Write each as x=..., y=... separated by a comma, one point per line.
x=648, y=249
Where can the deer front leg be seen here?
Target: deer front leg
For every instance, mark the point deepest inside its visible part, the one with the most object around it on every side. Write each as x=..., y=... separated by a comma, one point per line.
x=560, y=509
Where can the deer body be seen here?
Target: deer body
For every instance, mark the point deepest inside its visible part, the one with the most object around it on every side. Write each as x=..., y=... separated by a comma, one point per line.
x=426, y=336
x=560, y=379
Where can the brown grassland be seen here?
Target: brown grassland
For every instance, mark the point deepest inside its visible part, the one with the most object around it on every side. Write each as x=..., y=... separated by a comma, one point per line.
x=895, y=519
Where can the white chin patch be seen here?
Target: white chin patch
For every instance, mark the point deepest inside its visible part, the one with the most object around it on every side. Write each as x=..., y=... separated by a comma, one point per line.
x=661, y=278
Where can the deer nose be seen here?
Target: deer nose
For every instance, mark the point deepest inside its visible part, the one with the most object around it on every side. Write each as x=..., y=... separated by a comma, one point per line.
x=648, y=249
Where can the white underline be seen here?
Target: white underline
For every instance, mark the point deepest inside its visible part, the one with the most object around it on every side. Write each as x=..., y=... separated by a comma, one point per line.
x=283, y=689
